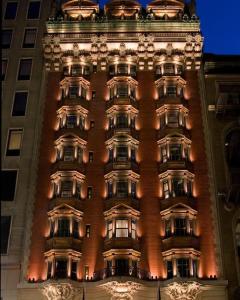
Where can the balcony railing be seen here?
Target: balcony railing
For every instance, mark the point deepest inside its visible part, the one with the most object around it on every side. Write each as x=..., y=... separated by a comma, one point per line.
x=184, y=199
x=128, y=200
x=73, y=165
x=180, y=164
x=64, y=243
x=128, y=100
x=121, y=243
x=73, y=101
x=122, y=271
x=174, y=242
x=122, y=165
x=72, y=130
x=122, y=129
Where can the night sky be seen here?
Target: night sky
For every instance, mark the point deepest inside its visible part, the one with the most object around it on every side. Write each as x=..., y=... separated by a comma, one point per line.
x=220, y=24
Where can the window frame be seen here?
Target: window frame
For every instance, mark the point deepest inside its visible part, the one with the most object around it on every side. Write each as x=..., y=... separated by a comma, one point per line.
x=39, y=13
x=13, y=102
x=16, y=183
x=24, y=34
x=122, y=230
x=10, y=44
x=9, y=235
x=8, y=140
x=19, y=64
x=6, y=10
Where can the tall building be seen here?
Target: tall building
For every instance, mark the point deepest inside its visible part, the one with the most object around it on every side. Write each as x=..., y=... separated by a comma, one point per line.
x=114, y=198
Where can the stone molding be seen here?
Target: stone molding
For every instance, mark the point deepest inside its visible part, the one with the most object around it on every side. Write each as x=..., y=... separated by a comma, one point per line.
x=59, y=291
x=183, y=290
x=121, y=290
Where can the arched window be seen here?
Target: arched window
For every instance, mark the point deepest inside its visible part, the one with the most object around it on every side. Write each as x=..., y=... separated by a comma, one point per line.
x=232, y=146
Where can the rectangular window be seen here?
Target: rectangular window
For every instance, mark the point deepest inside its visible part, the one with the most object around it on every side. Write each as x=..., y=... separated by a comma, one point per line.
x=168, y=229
x=169, y=69
x=180, y=227
x=4, y=69
x=89, y=192
x=177, y=187
x=83, y=92
x=134, y=229
x=76, y=70
x=6, y=38
x=63, y=228
x=49, y=270
x=11, y=11
x=164, y=154
x=169, y=266
x=122, y=69
x=67, y=187
x=29, y=38
x=8, y=181
x=133, y=189
x=71, y=121
x=74, y=270
x=173, y=118
x=90, y=157
x=52, y=227
x=19, y=105
x=61, y=268
x=68, y=153
x=133, y=71
x=166, y=189
x=183, y=267
x=88, y=229
x=14, y=142
x=25, y=67
x=122, y=189
x=109, y=230
x=161, y=91
x=121, y=228
x=5, y=233
x=122, y=153
x=110, y=189
x=122, y=90
x=171, y=90
x=73, y=91
x=75, y=229
x=33, y=10
x=175, y=151
x=122, y=121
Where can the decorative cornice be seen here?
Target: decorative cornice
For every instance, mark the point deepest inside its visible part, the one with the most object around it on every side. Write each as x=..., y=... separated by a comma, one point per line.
x=59, y=291
x=183, y=290
x=121, y=290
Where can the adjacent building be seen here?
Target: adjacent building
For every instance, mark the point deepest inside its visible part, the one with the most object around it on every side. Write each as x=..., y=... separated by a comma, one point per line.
x=113, y=162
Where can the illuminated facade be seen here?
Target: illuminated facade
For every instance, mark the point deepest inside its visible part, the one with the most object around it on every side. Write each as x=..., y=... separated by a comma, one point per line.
x=122, y=206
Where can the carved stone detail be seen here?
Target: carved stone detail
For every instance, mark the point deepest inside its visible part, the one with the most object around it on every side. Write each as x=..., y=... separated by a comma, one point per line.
x=52, y=52
x=121, y=290
x=59, y=291
x=183, y=290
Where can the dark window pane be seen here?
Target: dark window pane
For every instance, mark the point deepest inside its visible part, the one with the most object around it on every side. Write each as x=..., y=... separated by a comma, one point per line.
x=4, y=69
x=24, y=71
x=6, y=38
x=19, y=106
x=11, y=11
x=5, y=231
x=29, y=38
x=61, y=269
x=33, y=10
x=8, y=181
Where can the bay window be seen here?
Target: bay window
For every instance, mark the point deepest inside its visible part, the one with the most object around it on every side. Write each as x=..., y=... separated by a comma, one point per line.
x=180, y=227
x=66, y=188
x=121, y=228
x=175, y=151
x=183, y=267
x=122, y=121
x=122, y=153
x=71, y=121
x=122, y=189
x=63, y=228
x=177, y=187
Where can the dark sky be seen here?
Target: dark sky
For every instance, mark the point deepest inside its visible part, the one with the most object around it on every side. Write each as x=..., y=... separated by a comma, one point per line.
x=220, y=24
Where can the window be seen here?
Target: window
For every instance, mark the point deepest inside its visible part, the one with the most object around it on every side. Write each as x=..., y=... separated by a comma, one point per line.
x=122, y=121
x=75, y=229
x=11, y=11
x=183, y=267
x=232, y=146
x=67, y=187
x=8, y=181
x=122, y=69
x=121, y=228
x=6, y=38
x=109, y=230
x=180, y=227
x=175, y=152
x=168, y=229
x=169, y=266
x=90, y=157
x=4, y=69
x=89, y=192
x=122, y=153
x=166, y=189
x=29, y=38
x=122, y=189
x=73, y=91
x=134, y=229
x=71, y=121
x=110, y=189
x=169, y=69
x=52, y=227
x=33, y=10
x=19, y=106
x=171, y=90
x=195, y=268
x=133, y=70
x=92, y=124
x=173, y=118
x=49, y=270
x=63, y=228
x=5, y=233
x=61, y=268
x=68, y=153
x=25, y=67
x=133, y=154
x=14, y=142
x=177, y=187
x=76, y=70
x=93, y=94
x=164, y=154
x=133, y=189
x=74, y=270
x=88, y=229
x=122, y=90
